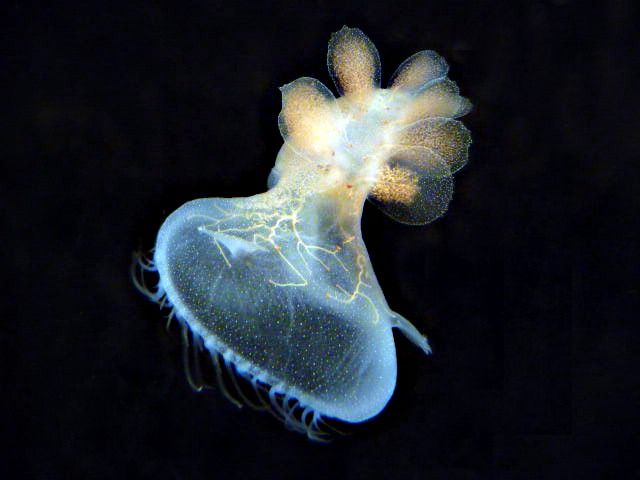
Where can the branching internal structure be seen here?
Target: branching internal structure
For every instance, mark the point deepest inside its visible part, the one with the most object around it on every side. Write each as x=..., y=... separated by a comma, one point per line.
x=283, y=232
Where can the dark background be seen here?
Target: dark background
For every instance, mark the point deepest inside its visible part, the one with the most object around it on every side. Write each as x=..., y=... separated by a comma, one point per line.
x=118, y=114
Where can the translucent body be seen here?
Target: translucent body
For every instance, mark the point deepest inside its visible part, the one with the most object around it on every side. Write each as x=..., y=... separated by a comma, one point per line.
x=280, y=284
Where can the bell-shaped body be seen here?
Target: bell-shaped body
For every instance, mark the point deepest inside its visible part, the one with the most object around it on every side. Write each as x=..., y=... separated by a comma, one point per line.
x=277, y=286
x=280, y=284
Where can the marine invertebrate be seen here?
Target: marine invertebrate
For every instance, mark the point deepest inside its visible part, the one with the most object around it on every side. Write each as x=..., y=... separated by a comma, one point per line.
x=279, y=285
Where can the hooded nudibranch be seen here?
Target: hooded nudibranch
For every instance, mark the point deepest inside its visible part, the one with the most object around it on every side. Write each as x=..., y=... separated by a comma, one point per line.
x=278, y=287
